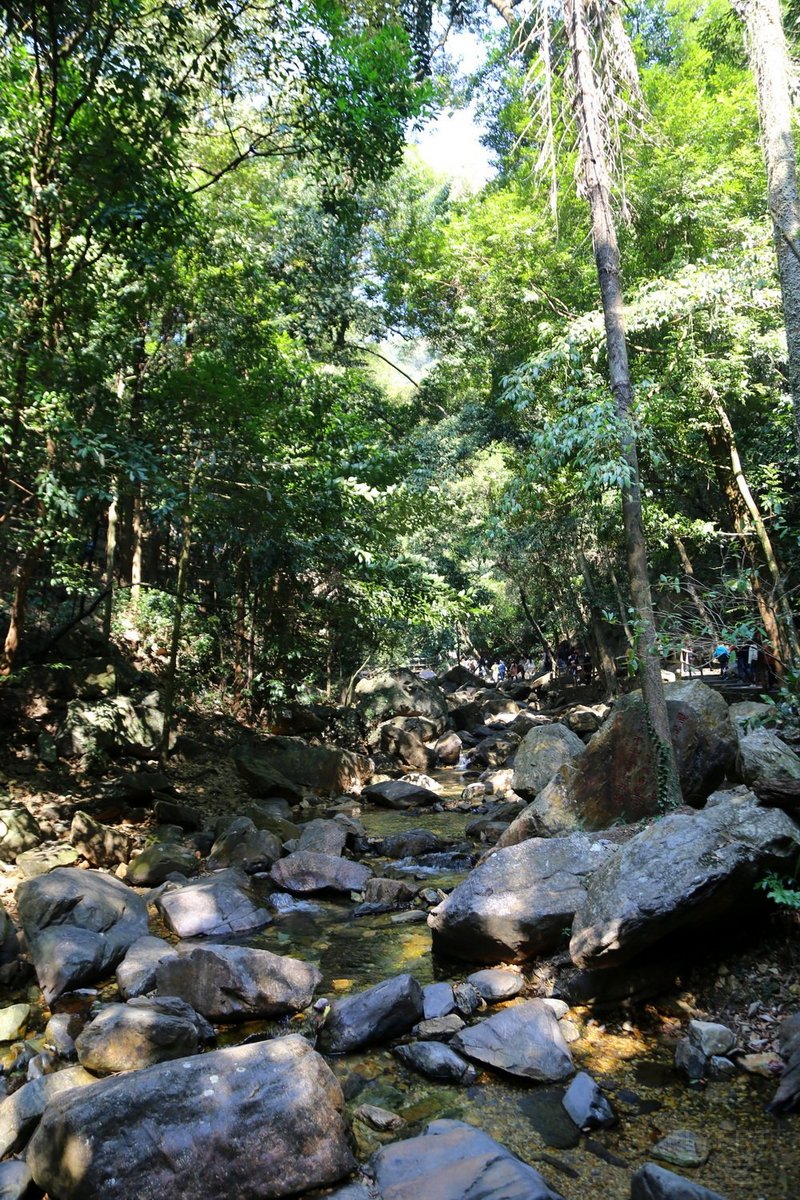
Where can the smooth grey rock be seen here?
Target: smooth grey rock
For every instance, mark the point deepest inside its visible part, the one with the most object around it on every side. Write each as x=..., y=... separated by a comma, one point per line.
x=136, y=974
x=652, y=1182
x=587, y=1105
x=45, y=858
x=439, y=1029
x=553, y=813
x=382, y=1012
x=306, y=871
x=411, y=843
x=787, y=1097
x=711, y=1038
x=15, y=1179
x=524, y=1041
x=438, y=1000
x=519, y=901
x=542, y=752
x=396, y=793
x=455, y=1161
x=764, y=758
x=683, y=869
x=720, y=1068
x=260, y=1120
x=19, y=830
x=214, y=906
x=496, y=984
x=244, y=846
x=78, y=924
x=128, y=1037
x=437, y=1061
x=174, y=812
x=237, y=983
x=20, y=1111
x=160, y=860
x=60, y=1033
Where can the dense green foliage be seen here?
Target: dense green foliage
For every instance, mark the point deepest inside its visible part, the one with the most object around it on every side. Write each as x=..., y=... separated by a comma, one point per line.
x=209, y=242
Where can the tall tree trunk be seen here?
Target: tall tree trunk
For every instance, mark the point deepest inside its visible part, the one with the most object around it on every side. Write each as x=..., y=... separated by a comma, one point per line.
x=773, y=606
x=170, y=683
x=691, y=585
x=597, y=188
x=769, y=61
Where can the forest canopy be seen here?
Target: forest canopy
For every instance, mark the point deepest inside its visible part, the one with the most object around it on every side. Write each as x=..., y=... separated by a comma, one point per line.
x=278, y=402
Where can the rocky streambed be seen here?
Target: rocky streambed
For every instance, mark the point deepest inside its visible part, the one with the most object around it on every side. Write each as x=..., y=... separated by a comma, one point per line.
x=355, y=996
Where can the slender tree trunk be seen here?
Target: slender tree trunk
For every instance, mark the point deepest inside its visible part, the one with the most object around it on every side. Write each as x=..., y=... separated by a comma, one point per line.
x=769, y=61
x=177, y=623
x=240, y=633
x=773, y=607
x=111, y=545
x=19, y=608
x=691, y=585
x=597, y=188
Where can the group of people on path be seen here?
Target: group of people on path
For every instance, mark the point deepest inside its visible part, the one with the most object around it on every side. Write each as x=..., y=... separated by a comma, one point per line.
x=749, y=661
x=571, y=663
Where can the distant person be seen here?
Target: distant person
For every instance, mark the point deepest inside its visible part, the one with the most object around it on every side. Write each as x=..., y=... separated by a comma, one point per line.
x=501, y=671
x=721, y=657
x=588, y=667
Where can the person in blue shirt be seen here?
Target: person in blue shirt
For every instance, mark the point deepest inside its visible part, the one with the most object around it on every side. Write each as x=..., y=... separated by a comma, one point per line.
x=722, y=657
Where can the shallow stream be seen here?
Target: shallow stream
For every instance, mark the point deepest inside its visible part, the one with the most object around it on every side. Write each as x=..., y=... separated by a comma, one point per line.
x=752, y=1156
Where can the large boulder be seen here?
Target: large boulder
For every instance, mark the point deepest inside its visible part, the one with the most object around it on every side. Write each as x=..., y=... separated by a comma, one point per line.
x=517, y=903
x=214, y=906
x=764, y=758
x=617, y=777
x=101, y=845
x=129, y=1037
x=237, y=983
x=19, y=830
x=20, y=1112
x=407, y=747
x=687, y=869
x=494, y=751
x=262, y=1120
x=317, y=768
x=111, y=726
x=553, y=813
x=385, y=1011
x=323, y=837
x=306, y=871
x=78, y=925
x=160, y=860
x=455, y=1161
x=400, y=693
x=136, y=974
x=544, y=749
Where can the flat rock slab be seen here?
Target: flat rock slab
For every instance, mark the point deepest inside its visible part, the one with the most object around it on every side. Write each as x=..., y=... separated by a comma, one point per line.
x=325, y=837
x=396, y=793
x=385, y=1011
x=214, y=906
x=517, y=903
x=78, y=924
x=262, y=1120
x=455, y=1161
x=684, y=869
x=524, y=1041
x=438, y=1000
x=237, y=983
x=306, y=871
